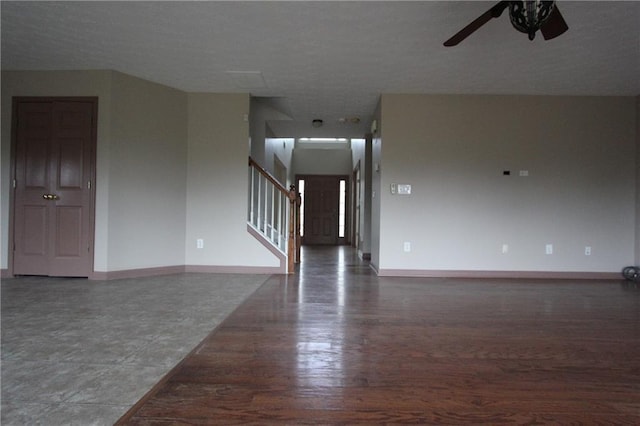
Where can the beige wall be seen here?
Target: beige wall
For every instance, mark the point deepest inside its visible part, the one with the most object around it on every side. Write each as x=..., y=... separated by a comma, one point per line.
x=262, y=112
x=147, y=175
x=453, y=151
x=310, y=161
x=282, y=148
x=217, y=188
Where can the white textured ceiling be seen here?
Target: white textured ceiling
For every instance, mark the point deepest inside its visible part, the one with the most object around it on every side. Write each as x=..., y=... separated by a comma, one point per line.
x=325, y=59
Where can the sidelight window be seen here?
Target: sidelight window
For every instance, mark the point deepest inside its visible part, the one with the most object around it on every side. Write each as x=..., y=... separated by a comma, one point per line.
x=301, y=192
x=343, y=208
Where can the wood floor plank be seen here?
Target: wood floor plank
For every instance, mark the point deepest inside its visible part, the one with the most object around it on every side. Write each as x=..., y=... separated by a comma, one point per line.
x=336, y=344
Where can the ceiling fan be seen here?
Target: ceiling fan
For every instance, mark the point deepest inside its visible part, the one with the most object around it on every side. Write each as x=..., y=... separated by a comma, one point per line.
x=526, y=16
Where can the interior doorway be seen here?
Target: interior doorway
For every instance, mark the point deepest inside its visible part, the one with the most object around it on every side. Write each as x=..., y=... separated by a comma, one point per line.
x=324, y=213
x=53, y=173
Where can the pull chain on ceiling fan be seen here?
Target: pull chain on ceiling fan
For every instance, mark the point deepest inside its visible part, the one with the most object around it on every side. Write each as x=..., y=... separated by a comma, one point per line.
x=526, y=16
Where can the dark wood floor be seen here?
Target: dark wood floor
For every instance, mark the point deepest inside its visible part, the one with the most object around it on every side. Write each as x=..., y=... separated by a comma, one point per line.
x=337, y=345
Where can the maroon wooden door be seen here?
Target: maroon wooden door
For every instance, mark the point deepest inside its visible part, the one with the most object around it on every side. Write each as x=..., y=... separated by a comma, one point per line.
x=53, y=211
x=321, y=209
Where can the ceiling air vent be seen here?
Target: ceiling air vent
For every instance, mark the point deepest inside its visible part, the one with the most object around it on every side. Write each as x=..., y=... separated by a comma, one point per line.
x=247, y=79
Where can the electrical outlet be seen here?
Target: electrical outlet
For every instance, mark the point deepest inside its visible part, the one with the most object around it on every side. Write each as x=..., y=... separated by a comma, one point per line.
x=587, y=251
x=199, y=243
x=407, y=246
x=549, y=249
x=505, y=248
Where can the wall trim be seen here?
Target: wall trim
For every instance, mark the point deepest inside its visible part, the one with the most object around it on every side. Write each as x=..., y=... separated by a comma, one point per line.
x=434, y=273
x=275, y=270
x=137, y=273
x=213, y=269
x=181, y=269
x=173, y=270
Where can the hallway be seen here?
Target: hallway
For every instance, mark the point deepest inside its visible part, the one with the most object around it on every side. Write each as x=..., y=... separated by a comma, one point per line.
x=335, y=344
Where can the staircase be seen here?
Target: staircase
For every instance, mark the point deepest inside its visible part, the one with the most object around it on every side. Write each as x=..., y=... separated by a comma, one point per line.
x=273, y=214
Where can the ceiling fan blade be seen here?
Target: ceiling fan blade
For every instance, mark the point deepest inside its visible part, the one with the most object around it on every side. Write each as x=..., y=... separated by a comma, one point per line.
x=494, y=12
x=554, y=26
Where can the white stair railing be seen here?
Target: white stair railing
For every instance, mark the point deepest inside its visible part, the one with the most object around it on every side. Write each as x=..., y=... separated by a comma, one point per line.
x=272, y=211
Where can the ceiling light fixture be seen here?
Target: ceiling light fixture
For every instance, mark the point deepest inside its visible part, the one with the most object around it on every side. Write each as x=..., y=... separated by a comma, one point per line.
x=529, y=16
x=526, y=16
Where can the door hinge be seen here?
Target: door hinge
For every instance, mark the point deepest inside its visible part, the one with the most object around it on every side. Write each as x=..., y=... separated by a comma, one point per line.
x=89, y=185
x=14, y=184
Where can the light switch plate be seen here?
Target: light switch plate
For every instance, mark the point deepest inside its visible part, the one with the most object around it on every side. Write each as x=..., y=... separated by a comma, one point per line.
x=404, y=189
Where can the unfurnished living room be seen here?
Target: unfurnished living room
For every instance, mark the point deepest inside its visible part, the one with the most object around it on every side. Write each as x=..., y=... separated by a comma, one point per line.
x=320, y=212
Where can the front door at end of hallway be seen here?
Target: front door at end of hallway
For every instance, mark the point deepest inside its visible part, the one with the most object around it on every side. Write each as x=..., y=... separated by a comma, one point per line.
x=321, y=208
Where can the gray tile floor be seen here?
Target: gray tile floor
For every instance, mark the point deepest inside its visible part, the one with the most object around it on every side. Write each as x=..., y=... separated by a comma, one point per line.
x=79, y=352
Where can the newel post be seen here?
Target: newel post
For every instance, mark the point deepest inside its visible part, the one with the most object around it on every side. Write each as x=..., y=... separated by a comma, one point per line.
x=292, y=229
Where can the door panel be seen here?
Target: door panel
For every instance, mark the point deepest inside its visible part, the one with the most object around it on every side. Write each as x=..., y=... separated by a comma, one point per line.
x=35, y=220
x=37, y=165
x=69, y=224
x=54, y=146
x=70, y=164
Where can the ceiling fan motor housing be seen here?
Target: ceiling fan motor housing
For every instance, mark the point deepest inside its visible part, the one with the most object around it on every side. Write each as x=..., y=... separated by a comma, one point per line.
x=528, y=16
